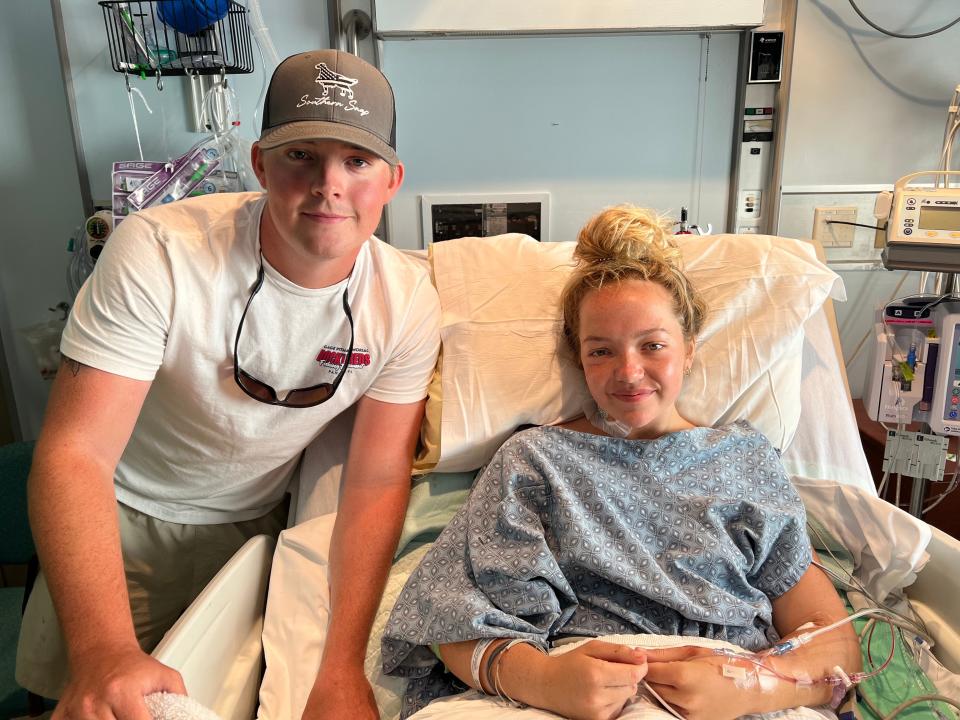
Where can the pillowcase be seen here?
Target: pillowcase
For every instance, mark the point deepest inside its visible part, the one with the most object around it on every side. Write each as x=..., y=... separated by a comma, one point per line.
x=503, y=364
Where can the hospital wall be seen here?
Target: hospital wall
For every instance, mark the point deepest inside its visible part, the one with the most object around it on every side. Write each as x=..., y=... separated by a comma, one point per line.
x=864, y=110
x=41, y=195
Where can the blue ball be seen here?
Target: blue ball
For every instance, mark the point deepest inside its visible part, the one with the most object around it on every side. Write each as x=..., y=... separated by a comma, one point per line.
x=192, y=16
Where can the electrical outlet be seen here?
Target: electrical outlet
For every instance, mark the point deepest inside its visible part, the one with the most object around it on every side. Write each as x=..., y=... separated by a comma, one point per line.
x=832, y=235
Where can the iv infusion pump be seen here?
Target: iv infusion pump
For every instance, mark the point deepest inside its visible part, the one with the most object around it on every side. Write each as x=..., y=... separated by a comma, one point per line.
x=915, y=372
x=923, y=232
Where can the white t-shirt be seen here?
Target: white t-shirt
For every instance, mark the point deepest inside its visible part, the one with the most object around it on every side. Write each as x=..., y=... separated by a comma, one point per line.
x=163, y=304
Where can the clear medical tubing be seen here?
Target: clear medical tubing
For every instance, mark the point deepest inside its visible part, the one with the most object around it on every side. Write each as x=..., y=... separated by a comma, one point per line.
x=268, y=55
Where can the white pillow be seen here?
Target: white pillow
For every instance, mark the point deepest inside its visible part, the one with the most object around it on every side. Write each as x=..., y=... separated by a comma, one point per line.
x=502, y=365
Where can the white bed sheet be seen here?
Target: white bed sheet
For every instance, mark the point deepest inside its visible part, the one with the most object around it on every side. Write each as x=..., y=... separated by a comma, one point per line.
x=827, y=443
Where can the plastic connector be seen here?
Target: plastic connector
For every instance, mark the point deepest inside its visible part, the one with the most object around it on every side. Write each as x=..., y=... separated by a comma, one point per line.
x=791, y=644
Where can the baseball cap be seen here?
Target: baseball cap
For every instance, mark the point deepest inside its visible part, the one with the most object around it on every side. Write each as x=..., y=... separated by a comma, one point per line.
x=330, y=95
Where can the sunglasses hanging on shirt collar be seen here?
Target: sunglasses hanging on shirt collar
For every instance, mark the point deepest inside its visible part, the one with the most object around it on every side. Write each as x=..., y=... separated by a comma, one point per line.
x=300, y=397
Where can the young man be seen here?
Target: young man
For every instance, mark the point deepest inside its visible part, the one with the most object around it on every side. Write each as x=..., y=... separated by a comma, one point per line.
x=217, y=337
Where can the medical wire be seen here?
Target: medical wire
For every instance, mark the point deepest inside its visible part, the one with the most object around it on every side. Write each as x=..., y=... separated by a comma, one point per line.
x=269, y=58
x=785, y=646
x=864, y=697
x=893, y=295
x=902, y=36
x=663, y=702
x=915, y=624
x=950, y=488
x=133, y=111
x=947, y=153
x=867, y=634
x=953, y=115
x=844, y=222
x=919, y=699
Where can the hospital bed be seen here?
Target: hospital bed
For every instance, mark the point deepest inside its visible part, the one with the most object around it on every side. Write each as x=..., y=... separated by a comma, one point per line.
x=799, y=398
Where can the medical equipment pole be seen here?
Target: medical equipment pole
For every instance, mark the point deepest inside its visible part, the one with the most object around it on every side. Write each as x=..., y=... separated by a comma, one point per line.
x=918, y=492
x=83, y=176
x=346, y=32
x=946, y=283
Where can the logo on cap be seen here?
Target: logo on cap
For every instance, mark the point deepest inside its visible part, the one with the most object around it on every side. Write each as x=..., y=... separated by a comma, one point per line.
x=328, y=79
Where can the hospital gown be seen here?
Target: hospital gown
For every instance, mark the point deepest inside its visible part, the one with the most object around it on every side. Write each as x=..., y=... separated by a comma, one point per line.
x=568, y=533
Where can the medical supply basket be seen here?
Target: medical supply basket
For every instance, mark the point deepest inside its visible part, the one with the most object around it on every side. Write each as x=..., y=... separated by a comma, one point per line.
x=141, y=43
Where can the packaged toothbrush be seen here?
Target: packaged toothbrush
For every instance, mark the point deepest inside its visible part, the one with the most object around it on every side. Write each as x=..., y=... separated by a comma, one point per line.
x=176, y=180
x=126, y=177
x=180, y=176
x=219, y=180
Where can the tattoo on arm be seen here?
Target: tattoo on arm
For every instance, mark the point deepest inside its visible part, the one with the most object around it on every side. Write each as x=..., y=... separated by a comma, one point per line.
x=72, y=365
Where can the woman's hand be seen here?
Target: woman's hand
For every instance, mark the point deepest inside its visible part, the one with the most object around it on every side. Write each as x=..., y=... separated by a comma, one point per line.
x=591, y=682
x=692, y=680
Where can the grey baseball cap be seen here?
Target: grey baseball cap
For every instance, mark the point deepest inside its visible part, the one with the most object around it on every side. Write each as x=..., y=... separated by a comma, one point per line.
x=330, y=95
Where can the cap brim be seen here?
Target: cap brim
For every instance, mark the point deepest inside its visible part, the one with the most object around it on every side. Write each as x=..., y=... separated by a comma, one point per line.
x=324, y=130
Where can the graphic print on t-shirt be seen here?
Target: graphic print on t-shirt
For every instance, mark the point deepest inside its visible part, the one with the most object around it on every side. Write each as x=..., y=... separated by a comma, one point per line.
x=333, y=357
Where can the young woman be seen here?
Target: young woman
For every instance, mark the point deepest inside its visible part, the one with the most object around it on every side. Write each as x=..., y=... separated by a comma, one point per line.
x=628, y=520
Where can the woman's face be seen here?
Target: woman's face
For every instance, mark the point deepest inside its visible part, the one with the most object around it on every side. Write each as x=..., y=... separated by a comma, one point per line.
x=634, y=355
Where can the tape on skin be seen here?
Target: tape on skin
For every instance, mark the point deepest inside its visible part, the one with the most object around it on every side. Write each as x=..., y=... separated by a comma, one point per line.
x=601, y=421
x=749, y=678
x=742, y=678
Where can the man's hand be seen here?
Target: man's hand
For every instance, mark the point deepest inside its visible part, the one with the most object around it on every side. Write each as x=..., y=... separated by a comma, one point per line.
x=111, y=686
x=341, y=693
x=594, y=681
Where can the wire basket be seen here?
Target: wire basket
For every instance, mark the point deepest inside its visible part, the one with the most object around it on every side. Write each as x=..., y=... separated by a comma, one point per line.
x=142, y=43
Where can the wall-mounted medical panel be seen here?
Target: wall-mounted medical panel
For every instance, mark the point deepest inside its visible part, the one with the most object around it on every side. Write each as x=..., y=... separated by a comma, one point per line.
x=445, y=217
x=398, y=18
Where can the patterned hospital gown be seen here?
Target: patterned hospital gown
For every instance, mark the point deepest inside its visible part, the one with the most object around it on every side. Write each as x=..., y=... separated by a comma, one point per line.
x=568, y=533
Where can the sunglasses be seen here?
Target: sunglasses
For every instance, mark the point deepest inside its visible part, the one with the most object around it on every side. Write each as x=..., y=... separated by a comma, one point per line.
x=301, y=397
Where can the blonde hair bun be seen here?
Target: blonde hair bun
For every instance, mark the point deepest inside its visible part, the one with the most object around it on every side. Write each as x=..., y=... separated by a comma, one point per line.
x=629, y=243
x=628, y=234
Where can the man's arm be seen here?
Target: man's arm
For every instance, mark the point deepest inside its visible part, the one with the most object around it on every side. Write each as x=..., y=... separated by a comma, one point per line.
x=373, y=501
x=73, y=513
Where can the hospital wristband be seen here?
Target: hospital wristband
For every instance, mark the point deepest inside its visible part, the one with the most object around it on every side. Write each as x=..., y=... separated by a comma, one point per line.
x=478, y=650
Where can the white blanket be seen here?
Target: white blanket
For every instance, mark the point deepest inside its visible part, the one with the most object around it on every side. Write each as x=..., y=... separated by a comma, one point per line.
x=473, y=704
x=295, y=626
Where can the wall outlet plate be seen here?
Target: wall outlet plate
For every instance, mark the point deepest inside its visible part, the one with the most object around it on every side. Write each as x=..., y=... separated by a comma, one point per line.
x=831, y=235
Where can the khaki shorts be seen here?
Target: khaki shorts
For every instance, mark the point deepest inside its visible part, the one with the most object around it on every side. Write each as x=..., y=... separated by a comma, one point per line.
x=167, y=565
